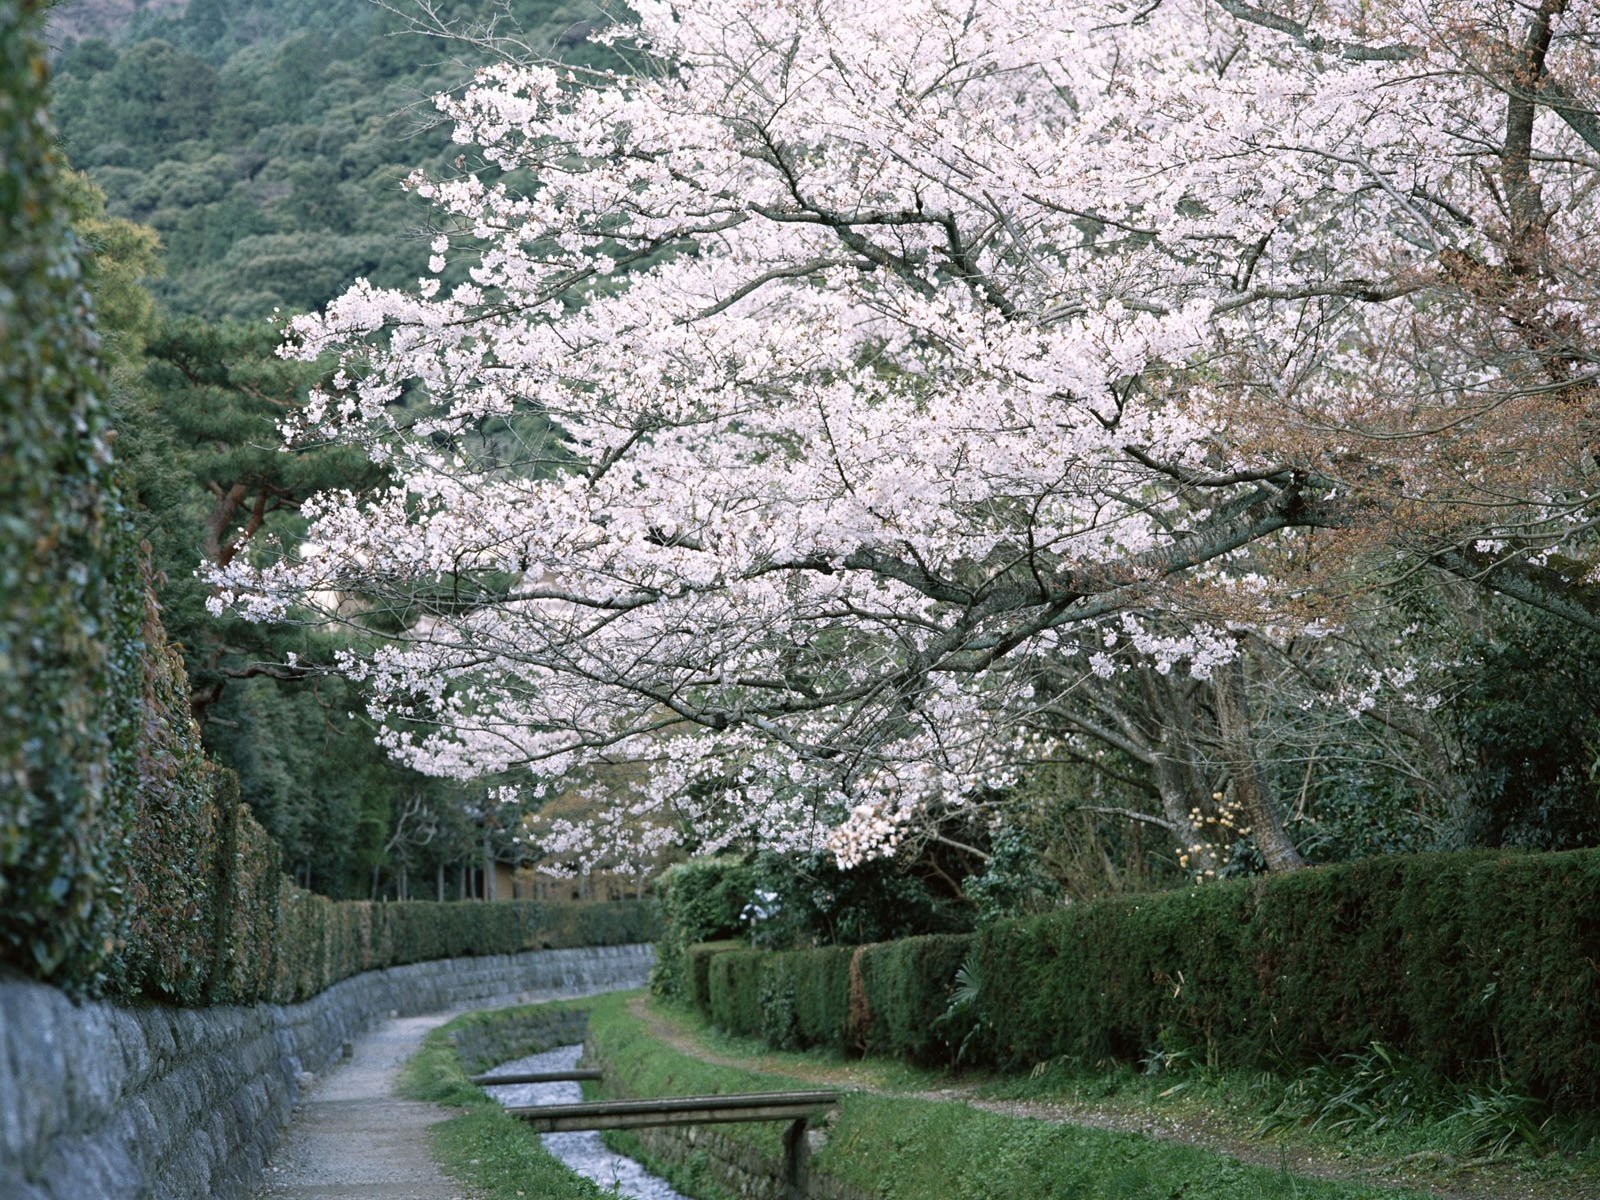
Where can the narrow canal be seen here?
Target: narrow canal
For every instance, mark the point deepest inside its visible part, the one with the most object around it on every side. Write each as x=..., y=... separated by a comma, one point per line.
x=583, y=1152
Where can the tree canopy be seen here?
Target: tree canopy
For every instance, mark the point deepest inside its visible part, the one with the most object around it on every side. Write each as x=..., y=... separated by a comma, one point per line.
x=912, y=369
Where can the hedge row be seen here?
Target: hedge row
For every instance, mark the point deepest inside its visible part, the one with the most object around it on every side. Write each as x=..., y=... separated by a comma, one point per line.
x=127, y=868
x=888, y=998
x=185, y=902
x=702, y=899
x=69, y=604
x=320, y=941
x=1482, y=967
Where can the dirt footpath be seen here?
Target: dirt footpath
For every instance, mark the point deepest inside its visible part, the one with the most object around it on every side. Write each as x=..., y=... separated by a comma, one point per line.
x=353, y=1138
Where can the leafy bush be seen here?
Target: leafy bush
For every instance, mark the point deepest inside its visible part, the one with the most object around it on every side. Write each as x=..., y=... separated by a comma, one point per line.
x=889, y=998
x=699, y=972
x=907, y=986
x=814, y=901
x=804, y=997
x=701, y=900
x=1480, y=968
x=735, y=990
x=69, y=678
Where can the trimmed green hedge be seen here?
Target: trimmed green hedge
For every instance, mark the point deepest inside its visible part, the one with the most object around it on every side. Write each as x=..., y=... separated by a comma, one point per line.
x=1479, y=966
x=127, y=867
x=1482, y=967
x=320, y=941
x=887, y=998
x=817, y=984
x=699, y=970
x=905, y=991
x=70, y=601
x=735, y=990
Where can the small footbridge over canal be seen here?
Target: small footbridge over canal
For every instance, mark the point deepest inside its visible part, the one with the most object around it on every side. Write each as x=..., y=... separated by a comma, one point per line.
x=798, y=1109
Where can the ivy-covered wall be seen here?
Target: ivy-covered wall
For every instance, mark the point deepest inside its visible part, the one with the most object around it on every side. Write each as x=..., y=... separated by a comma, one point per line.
x=70, y=595
x=128, y=869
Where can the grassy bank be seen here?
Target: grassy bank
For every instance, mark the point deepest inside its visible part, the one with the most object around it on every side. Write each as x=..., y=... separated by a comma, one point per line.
x=493, y=1154
x=1375, y=1116
x=911, y=1147
x=906, y=1148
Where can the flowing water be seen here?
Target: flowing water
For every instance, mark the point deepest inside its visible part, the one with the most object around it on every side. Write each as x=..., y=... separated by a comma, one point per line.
x=583, y=1152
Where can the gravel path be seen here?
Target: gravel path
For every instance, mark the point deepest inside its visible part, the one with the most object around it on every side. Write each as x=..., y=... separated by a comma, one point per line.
x=352, y=1137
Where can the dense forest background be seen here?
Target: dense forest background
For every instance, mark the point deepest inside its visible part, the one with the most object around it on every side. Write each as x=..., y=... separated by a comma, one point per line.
x=240, y=163
x=244, y=162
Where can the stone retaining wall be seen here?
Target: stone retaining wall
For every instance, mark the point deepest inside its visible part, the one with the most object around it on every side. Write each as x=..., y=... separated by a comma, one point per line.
x=104, y=1103
x=736, y=1167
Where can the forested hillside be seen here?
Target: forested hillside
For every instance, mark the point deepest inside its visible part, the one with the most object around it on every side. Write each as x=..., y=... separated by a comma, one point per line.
x=240, y=163
x=266, y=142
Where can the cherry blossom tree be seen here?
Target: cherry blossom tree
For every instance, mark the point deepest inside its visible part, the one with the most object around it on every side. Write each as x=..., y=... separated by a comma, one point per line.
x=836, y=370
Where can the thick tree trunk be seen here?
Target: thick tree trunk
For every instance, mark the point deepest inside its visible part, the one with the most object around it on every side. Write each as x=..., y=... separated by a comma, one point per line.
x=1178, y=804
x=1250, y=786
x=1180, y=780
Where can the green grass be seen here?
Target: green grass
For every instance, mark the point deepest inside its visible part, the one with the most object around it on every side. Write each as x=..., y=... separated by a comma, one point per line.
x=1378, y=1106
x=493, y=1154
x=907, y=1148
x=898, y=1148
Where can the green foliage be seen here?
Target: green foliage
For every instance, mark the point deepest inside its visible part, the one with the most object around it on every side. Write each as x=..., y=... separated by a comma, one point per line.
x=888, y=998
x=1530, y=714
x=318, y=941
x=262, y=140
x=807, y=899
x=735, y=991
x=698, y=973
x=1479, y=967
x=1363, y=1094
x=1014, y=881
x=701, y=900
x=70, y=611
x=813, y=989
x=170, y=893
x=906, y=989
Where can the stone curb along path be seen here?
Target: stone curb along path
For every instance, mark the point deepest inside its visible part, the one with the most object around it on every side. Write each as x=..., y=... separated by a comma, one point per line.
x=352, y=1136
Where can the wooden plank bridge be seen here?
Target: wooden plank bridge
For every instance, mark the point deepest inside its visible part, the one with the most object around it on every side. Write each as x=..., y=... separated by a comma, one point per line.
x=797, y=1108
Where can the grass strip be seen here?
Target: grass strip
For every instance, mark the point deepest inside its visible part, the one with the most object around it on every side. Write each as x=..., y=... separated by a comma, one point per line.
x=900, y=1148
x=493, y=1154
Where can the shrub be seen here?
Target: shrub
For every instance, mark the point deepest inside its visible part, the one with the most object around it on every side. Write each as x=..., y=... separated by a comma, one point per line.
x=701, y=901
x=906, y=986
x=70, y=596
x=1477, y=966
x=699, y=971
x=735, y=991
x=821, y=985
